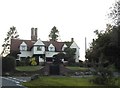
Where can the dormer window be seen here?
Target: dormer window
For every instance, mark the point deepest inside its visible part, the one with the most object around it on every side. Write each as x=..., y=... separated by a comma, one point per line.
x=51, y=48
x=23, y=46
x=39, y=48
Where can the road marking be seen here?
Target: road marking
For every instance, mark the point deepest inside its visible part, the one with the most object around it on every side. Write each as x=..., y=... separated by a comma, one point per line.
x=18, y=85
x=14, y=78
x=20, y=80
x=11, y=80
x=17, y=79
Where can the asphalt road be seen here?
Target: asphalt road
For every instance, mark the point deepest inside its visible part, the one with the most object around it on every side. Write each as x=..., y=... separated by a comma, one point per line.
x=13, y=82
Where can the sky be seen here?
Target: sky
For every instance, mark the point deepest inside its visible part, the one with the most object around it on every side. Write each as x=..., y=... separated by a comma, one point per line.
x=73, y=18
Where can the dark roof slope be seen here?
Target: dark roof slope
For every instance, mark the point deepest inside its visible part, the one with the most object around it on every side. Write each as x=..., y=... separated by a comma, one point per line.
x=57, y=45
x=15, y=45
x=68, y=43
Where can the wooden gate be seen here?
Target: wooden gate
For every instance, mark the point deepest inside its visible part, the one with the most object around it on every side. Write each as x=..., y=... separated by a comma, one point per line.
x=54, y=69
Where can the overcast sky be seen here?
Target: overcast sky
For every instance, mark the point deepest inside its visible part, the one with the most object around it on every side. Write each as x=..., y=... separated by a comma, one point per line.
x=73, y=18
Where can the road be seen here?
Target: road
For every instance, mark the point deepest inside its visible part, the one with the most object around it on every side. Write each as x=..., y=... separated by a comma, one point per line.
x=13, y=82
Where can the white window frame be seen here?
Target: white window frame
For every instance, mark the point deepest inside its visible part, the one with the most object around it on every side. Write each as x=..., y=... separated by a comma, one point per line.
x=39, y=48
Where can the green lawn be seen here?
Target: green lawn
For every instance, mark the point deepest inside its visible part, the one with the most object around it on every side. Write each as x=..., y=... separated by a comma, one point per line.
x=28, y=68
x=60, y=81
x=77, y=68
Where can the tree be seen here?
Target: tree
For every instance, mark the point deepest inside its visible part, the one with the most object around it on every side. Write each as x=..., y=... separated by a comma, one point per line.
x=114, y=47
x=11, y=34
x=114, y=14
x=54, y=34
x=58, y=58
x=105, y=48
x=69, y=55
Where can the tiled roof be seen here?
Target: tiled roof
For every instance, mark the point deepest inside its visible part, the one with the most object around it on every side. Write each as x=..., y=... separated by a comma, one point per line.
x=15, y=45
x=57, y=45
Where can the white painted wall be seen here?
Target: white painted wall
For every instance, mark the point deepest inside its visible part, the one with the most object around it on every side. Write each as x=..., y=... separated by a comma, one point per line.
x=25, y=54
x=74, y=45
x=50, y=54
x=35, y=51
x=41, y=59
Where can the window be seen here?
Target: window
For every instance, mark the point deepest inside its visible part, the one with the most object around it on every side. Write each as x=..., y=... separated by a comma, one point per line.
x=39, y=48
x=23, y=48
x=51, y=47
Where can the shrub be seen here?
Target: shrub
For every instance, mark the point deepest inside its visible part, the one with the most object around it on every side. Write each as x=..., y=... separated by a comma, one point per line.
x=25, y=62
x=20, y=63
x=8, y=63
x=33, y=62
x=103, y=77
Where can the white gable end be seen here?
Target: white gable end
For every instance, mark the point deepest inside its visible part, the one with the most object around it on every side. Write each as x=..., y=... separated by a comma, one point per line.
x=51, y=47
x=39, y=42
x=64, y=46
x=23, y=46
x=74, y=45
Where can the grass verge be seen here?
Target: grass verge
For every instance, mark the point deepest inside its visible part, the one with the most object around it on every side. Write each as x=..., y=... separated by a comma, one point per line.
x=64, y=82
x=28, y=68
x=60, y=81
x=77, y=68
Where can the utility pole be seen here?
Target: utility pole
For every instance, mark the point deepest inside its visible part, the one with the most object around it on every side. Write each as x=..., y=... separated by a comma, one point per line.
x=85, y=51
x=85, y=45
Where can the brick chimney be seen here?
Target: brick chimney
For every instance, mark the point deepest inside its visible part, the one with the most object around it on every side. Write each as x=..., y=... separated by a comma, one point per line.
x=34, y=34
x=72, y=39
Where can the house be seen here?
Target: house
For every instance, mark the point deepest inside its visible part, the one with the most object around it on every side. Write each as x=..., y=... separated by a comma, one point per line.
x=39, y=49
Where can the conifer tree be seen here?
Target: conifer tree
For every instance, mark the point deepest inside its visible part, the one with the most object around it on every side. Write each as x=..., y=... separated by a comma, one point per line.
x=11, y=34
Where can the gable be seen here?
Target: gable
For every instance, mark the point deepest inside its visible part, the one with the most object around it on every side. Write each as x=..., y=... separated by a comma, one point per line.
x=74, y=45
x=23, y=46
x=39, y=42
x=51, y=47
x=64, y=46
x=68, y=43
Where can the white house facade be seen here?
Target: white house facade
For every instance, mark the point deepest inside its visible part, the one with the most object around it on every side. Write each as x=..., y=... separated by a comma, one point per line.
x=40, y=49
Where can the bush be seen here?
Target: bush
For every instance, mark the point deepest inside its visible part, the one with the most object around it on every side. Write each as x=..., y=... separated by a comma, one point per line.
x=33, y=61
x=103, y=77
x=20, y=63
x=8, y=63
